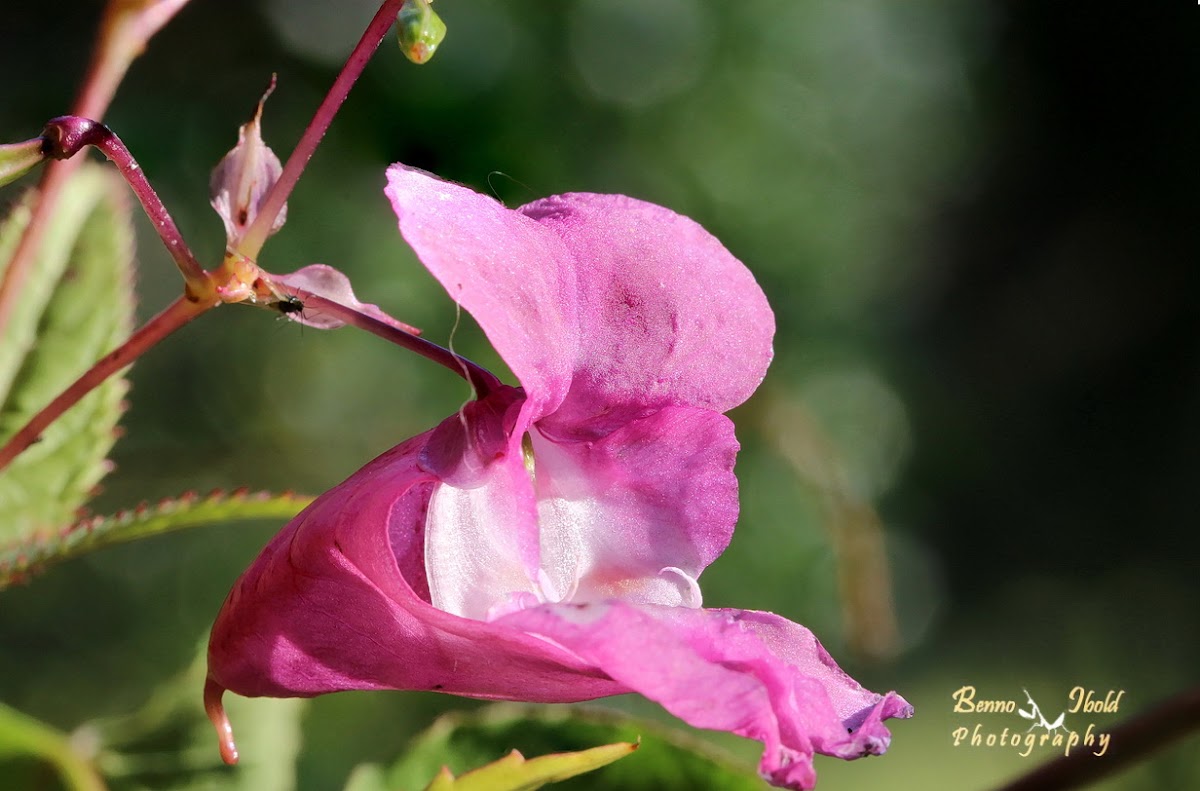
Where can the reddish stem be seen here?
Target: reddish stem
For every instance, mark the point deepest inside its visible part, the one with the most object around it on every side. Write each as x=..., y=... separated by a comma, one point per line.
x=483, y=380
x=256, y=235
x=174, y=316
x=67, y=135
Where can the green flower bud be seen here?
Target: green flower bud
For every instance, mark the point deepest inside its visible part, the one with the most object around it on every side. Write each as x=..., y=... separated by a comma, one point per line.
x=420, y=30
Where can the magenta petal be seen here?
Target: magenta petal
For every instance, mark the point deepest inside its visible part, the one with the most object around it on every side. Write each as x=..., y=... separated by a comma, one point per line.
x=240, y=182
x=754, y=674
x=514, y=276
x=337, y=601
x=481, y=533
x=657, y=493
x=669, y=316
x=628, y=304
x=325, y=281
x=465, y=444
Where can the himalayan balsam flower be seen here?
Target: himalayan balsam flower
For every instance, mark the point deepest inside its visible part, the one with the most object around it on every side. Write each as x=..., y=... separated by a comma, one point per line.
x=544, y=543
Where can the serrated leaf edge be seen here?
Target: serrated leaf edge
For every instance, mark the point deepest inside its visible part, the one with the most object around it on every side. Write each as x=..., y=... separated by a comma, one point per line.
x=21, y=560
x=93, y=423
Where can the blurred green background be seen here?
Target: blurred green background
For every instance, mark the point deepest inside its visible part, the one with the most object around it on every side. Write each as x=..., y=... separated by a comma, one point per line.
x=978, y=226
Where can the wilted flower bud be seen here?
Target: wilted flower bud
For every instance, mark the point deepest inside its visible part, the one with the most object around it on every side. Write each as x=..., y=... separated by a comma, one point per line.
x=420, y=30
x=241, y=180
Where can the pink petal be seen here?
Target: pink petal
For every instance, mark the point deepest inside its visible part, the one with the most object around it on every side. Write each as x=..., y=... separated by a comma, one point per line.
x=669, y=316
x=240, y=182
x=481, y=535
x=325, y=281
x=338, y=601
x=511, y=274
x=629, y=305
x=639, y=513
x=754, y=674
x=481, y=544
x=466, y=444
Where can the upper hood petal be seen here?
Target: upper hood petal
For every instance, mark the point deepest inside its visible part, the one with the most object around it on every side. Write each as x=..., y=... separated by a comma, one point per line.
x=627, y=305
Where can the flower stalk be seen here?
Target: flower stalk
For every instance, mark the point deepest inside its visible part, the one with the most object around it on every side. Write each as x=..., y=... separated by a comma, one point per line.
x=124, y=33
x=482, y=380
x=256, y=235
x=67, y=135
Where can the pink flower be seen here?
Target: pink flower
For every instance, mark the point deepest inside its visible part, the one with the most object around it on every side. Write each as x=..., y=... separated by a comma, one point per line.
x=544, y=543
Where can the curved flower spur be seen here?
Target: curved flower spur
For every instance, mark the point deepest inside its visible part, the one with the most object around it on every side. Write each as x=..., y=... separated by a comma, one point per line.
x=544, y=543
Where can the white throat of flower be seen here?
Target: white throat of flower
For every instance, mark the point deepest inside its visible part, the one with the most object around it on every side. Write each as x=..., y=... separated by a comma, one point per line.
x=473, y=561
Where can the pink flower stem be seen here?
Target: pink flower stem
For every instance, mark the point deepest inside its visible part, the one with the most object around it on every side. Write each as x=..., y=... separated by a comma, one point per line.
x=67, y=135
x=1131, y=741
x=483, y=380
x=174, y=316
x=256, y=235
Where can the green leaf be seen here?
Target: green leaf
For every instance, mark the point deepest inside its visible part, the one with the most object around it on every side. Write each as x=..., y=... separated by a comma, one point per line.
x=20, y=559
x=76, y=305
x=514, y=773
x=666, y=760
